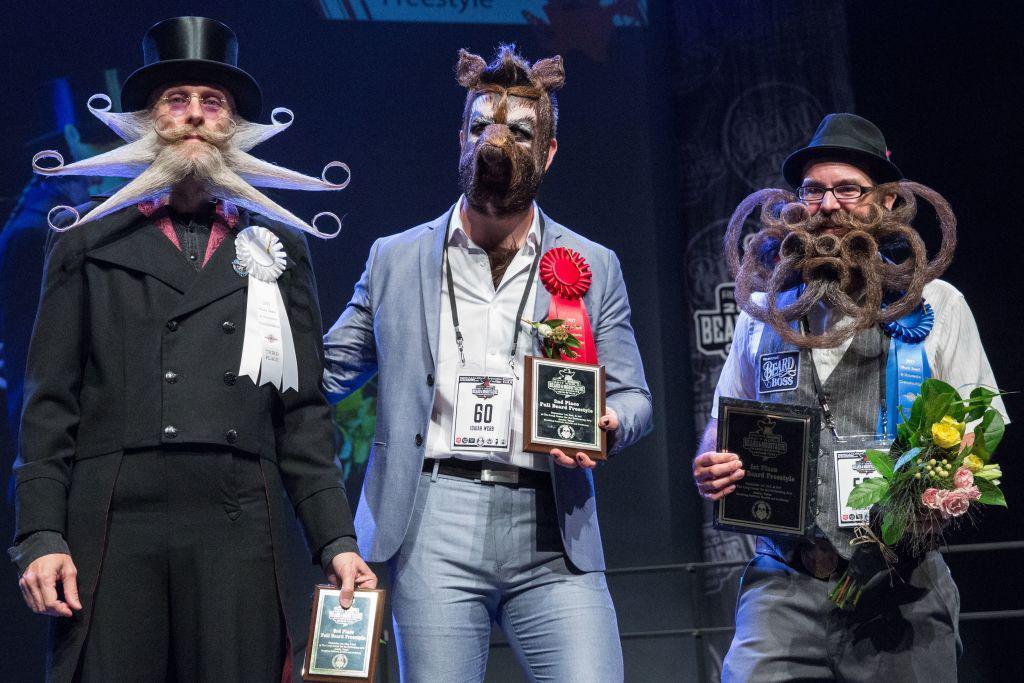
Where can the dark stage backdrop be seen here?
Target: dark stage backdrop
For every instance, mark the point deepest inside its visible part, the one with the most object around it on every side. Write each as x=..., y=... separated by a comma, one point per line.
x=671, y=113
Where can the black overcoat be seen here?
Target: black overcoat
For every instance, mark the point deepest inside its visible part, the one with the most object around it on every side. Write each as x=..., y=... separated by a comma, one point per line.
x=119, y=310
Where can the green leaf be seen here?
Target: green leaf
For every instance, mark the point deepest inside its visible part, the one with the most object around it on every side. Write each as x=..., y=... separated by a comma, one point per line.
x=573, y=342
x=905, y=458
x=938, y=397
x=957, y=410
x=553, y=323
x=990, y=493
x=867, y=493
x=931, y=388
x=881, y=461
x=893, y=526
x=993, y=428
x=979, y=402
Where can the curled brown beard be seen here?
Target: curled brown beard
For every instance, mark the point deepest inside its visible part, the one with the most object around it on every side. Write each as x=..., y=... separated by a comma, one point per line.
x=497, y=175
x=843, y=270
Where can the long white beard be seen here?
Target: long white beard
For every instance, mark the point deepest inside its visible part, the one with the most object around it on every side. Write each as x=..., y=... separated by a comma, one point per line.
x=157, y=159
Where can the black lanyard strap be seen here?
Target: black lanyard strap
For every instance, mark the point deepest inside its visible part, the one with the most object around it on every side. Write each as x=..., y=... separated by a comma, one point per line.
x=516, y=329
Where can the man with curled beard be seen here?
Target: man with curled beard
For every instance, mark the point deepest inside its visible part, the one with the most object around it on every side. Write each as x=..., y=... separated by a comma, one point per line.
x=838, y=284
x=491, y=534
x=162, y=422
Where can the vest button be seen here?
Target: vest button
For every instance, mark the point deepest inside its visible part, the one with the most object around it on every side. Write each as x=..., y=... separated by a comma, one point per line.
x=170, y=377
x=170, y=432
x=419, y=439
x=230, y=378
x=430, y=380
x=172, y=325
x=228, y=327
x=231, y=436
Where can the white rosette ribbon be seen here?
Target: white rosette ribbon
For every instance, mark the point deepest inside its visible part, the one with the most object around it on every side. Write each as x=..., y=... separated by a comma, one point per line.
x=268, y=351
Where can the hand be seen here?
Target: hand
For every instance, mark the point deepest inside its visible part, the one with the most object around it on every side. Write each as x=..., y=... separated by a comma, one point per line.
x=609, y=422
x=716, y=473
x=39, y=585
x=353, y=573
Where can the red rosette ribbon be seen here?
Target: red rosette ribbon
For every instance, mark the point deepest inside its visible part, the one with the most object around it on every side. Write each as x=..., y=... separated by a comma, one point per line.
x=566, y=275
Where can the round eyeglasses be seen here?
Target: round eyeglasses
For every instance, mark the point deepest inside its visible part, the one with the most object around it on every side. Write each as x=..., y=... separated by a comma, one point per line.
x=178, y=103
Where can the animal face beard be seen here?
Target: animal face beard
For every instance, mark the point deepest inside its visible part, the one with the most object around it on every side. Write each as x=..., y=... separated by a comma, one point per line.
x=159, y=156
x=498, y=176
x=837, y=260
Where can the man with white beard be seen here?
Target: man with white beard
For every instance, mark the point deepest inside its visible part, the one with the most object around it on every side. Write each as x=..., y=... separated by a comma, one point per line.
x=163, y=418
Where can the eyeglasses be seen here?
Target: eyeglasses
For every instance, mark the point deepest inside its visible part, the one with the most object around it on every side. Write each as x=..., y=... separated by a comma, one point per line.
x=814, y=194
x=178, y=103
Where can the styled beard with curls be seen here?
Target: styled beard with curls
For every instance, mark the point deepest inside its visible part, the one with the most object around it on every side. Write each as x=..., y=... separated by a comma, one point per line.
x=846, y=271
x=159, y=155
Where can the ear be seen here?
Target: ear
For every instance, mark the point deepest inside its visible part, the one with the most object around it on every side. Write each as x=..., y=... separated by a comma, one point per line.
x=548, y=73
x=552, y=148
x=469, y=68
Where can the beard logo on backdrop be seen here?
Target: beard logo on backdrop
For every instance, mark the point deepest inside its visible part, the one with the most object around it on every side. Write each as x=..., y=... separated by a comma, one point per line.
x=763, y=125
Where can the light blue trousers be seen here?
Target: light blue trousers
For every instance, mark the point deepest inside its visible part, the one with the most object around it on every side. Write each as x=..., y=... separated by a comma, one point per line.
x=477, y=554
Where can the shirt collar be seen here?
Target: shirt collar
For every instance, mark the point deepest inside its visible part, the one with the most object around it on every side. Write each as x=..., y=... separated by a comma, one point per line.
x=457, y=234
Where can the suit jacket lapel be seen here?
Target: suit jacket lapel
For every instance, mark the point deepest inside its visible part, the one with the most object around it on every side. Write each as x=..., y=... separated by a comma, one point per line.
x=431, y=250
x=217, y=278
x=140, y=247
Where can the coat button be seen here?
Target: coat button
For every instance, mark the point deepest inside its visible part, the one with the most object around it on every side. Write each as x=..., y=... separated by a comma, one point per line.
x=231, y=436
x=228, y=327
x=170, y=431
x=230, y=378
x=419, y=439
x=430, y=380
x=170, y=377
x=172, y=325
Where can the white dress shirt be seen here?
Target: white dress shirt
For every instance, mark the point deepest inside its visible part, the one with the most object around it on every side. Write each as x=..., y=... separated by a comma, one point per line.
x=486, y=317
x=953, y=348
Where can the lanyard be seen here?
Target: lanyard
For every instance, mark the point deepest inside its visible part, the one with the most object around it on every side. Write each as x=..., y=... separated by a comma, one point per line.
x=446, y=267
x=823, y=397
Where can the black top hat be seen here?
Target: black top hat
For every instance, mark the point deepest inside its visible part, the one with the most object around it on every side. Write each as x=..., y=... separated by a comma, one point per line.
x=191, y=49
x=848, y=138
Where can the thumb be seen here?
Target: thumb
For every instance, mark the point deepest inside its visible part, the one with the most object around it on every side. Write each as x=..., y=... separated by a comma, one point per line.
x=69, y=581
x=348, y=585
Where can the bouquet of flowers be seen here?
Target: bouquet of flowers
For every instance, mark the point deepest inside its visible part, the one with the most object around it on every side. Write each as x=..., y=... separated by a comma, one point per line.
x=934, y=472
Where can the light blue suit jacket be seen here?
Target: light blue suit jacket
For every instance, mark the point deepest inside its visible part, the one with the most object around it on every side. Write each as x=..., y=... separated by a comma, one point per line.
x=390, y=327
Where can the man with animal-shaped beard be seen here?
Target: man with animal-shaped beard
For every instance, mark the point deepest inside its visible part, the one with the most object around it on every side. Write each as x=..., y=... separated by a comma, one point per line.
x=174, y=393
x=837, y=290
x=489, y=534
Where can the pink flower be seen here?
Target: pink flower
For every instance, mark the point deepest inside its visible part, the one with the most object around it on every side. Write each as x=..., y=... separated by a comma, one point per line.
x=963, y=478
x=971, y=492
x=930, y=498
x=954, y=503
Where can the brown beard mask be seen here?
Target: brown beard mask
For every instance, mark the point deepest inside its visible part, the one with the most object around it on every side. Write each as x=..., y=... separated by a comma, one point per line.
x=498, y=173
x=845, y=271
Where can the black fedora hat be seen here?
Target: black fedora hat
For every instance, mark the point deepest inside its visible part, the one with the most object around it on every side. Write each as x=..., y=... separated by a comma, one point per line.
x=191, y=49
x=848, y=138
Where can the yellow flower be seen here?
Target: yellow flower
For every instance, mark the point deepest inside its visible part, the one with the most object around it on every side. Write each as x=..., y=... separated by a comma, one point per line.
x=960, y=426
x=945, y=435
x=973, y=463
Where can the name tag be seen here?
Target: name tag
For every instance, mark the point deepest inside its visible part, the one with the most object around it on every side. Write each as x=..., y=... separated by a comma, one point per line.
x=482, y=419
x=852, y=468
x=778, y=372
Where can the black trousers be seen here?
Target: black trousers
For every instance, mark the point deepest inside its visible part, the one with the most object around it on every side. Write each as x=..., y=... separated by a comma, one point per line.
x=187, y=589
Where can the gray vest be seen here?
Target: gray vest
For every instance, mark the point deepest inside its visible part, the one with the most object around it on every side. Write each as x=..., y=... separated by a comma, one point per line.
x=853, y=392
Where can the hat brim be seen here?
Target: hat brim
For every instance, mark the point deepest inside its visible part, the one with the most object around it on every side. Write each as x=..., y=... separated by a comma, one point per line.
x=138, y=88
x=880, y=170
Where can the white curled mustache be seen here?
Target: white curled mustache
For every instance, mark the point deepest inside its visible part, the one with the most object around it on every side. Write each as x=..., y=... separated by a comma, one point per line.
x=155, y=161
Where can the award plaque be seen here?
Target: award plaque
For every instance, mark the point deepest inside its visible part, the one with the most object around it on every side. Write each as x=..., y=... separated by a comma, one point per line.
x=778, y=445
x=562, y=404
x=343, y=643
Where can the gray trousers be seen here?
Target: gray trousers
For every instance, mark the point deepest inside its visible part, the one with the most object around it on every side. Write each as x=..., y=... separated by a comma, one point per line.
x=788, y=630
